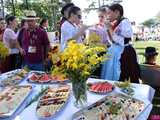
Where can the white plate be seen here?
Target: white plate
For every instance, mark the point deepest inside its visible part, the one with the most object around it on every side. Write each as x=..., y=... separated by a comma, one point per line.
x=19, y=105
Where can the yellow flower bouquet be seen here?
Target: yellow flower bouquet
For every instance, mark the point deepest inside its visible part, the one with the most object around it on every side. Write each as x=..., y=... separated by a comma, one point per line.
x=4, y=52
x=77, y=62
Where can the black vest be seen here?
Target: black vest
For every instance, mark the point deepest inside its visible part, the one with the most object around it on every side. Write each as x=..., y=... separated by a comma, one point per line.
x=126, y=40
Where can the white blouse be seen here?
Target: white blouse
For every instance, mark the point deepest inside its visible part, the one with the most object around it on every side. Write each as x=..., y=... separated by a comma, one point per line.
x=8, y=36
x=68, y=31
x=123, y=30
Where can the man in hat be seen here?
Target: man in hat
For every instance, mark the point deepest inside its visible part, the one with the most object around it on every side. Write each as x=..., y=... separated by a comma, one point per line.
x=35, y=43
x=150, y=55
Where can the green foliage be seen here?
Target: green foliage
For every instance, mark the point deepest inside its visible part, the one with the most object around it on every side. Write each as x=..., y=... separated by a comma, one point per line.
x=44, y=8
x=149, y=22
x=140, y=49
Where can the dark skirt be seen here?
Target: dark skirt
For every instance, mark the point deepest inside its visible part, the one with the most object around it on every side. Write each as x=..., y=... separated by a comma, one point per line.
x=129, y=65
x=4, y=65
x=14, y=62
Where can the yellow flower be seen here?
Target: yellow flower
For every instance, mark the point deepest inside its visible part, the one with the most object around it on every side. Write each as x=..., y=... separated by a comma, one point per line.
x=4, y=52
x=93, y=37
x=78, y=60
x=93, y=59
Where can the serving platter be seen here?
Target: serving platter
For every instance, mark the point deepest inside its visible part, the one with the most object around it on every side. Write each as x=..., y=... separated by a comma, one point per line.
x=11, y=98
x=52, y=102
x=113, y=107
x=13, y=77
x=100, y=87
x=39, y=77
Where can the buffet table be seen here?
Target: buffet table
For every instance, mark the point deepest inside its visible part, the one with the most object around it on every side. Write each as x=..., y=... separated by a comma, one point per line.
x=142, y=92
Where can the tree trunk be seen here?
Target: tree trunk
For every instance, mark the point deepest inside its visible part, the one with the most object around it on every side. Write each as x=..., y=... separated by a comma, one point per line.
x=27, y=5
x=2, y=6
x=103, y=2
x=53, y=15
x=13, y=8
x=99, y=3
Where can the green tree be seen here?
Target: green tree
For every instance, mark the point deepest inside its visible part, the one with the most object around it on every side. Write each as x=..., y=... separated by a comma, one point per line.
x=149, y=22
x=2, y=8
x=96, y=4
x=44, y=8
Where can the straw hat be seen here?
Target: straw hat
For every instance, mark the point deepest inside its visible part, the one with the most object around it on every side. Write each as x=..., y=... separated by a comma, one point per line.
x=30, y=15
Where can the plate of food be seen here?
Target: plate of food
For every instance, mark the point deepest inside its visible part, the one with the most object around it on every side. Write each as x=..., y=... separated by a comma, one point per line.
x=52, y=102
x=20, y=72
x=125, y=87
x=11, y=80
x=42, y=77
x=39, y=77
x=13, y=77
x=100, y=87
x=11, y=98
x=113, y=107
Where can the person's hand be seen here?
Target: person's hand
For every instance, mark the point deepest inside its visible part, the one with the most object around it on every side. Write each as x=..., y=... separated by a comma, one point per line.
x=22, y=52
x=84, y=28
x=108, y=24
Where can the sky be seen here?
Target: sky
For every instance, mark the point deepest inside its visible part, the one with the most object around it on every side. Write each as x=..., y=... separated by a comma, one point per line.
x=135, y=10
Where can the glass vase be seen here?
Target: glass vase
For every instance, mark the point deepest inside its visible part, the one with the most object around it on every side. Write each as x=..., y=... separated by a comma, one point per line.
x=79, y=91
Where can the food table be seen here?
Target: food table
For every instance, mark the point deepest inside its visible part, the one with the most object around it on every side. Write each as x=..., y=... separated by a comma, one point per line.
x=142, y=92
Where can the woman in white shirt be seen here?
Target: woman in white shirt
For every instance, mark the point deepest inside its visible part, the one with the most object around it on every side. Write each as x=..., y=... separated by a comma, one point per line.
x=122, y=64
x=70, y=30
x=10, y=41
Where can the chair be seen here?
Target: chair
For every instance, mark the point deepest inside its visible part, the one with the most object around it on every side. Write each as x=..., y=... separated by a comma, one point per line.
x=150, y=75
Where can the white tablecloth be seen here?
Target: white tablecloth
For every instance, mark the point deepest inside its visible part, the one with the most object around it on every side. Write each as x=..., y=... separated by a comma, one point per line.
x=142, y=92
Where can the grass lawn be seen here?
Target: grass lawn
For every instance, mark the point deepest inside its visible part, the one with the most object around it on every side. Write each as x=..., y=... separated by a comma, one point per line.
x=140, y=49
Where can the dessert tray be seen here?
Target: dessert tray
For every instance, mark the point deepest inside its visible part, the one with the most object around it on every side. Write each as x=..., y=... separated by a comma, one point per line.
x=11, y=98
x=113, y=107
x=52, y=102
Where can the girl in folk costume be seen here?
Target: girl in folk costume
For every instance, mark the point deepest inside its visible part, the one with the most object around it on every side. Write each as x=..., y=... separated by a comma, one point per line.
x=122, y=64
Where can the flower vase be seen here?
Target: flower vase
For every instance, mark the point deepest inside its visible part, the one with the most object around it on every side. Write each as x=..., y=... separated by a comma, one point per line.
x=79, y=91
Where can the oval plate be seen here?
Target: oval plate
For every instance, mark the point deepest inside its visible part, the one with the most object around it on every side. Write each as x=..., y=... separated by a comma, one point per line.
x=100, y=92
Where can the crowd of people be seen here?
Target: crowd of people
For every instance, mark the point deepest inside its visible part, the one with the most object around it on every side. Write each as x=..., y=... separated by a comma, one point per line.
x=147, y=33
x=116, y=32
x=29, y=45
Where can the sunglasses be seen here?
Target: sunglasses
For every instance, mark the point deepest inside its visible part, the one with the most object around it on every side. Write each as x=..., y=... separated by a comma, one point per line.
x=101, y=16
x=2, y=22
x=79, y=16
